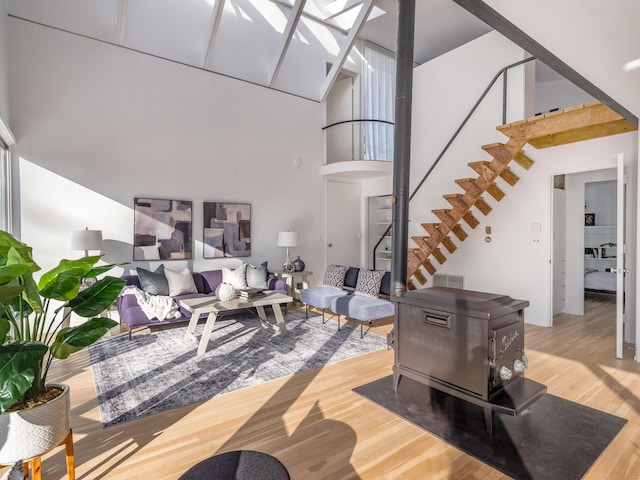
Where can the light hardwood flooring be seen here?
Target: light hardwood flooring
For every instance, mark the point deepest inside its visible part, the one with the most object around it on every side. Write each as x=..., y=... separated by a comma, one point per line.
x=320, y=429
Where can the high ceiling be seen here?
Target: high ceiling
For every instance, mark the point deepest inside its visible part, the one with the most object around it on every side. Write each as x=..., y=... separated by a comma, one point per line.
x=287, y=44
x=250, y=39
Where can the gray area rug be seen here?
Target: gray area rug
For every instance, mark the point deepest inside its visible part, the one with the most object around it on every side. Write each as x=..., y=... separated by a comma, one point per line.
x=158, y=370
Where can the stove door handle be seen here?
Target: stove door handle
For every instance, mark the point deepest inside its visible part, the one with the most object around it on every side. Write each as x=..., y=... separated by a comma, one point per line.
x=437, y=319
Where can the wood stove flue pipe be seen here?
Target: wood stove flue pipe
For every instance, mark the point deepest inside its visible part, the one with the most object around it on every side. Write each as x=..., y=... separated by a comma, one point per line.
x=402, y=146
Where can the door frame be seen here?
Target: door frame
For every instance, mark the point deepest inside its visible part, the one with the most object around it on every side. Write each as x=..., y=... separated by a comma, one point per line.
x=631, y=287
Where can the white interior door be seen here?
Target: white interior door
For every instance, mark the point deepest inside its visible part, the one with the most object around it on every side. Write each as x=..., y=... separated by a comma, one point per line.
x=343, y=224
x=620, y=254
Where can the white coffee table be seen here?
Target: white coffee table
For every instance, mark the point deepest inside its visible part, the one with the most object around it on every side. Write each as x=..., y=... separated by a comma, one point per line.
x=213, y=306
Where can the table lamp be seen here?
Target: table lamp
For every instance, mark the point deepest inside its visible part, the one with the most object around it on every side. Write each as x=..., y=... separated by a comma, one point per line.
x=288, y=239
x=86, y=240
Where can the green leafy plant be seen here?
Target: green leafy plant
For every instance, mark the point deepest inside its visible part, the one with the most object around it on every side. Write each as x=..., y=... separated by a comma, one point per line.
x=31, y=316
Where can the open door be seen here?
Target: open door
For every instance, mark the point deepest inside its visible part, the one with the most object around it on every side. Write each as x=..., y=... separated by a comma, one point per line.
x=621, y=269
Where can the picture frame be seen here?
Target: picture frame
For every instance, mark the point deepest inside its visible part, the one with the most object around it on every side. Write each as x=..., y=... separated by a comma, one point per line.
x=162, y=229
x=227, y=229
x=589, y=219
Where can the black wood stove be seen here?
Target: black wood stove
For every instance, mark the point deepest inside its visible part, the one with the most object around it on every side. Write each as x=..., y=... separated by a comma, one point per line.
x=467, y=344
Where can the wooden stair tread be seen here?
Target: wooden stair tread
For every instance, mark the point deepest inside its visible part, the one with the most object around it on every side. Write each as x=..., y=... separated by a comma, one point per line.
x=495, y=192
x=438, y=255
x=470, y=219
x=522, y=160
x=470, y=186
x=483, y=206
x=575, y=124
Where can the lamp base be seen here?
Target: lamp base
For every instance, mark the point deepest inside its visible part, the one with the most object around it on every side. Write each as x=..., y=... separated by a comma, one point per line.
x=287, y=266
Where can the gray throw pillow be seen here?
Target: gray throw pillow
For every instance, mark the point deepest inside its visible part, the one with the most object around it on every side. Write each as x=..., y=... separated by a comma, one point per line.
x=154, y=283
x=258, y=277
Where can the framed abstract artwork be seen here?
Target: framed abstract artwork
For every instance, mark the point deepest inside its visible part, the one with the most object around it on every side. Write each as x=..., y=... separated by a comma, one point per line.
x=162, y=229
x=227, y=229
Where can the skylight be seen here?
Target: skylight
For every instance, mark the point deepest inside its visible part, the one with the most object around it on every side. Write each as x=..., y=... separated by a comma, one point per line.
x=341, y=13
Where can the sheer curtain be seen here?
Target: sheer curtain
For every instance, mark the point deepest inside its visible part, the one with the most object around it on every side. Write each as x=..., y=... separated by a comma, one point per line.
x=379, y=94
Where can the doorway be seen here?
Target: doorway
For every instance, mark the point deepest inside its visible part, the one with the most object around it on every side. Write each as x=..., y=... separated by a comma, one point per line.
x=587, y=213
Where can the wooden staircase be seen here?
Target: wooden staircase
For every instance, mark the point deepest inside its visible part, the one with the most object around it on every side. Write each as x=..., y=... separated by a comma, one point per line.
x=557, y=128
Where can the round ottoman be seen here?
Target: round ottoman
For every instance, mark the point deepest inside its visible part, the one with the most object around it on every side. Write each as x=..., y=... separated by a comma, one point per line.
x=238, y=465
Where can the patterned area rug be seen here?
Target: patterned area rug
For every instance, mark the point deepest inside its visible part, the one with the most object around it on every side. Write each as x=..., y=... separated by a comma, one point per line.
x=158, y=370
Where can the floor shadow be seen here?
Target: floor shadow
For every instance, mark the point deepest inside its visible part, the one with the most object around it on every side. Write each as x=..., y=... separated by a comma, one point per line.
x=603, y=328
x=331, y=441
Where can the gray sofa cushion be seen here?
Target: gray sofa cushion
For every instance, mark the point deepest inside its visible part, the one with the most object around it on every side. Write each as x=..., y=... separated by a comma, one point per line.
x=362, y=308
x=320, y=297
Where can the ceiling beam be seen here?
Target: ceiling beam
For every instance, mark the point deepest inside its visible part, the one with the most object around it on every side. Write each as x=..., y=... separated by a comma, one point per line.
x=499, y=23
x=337, y=14
x=287, y=35
x=367, y=6
x=122, y=21
x=216, y=16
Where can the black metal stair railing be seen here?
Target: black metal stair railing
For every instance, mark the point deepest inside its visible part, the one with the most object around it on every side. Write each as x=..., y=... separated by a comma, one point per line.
x=502, y=71
x=357, y=120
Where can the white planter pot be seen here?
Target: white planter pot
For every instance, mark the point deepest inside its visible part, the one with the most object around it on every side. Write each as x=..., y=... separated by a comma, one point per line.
x=26, y=434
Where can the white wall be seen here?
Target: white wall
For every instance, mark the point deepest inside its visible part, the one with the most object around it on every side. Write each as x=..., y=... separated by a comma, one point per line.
x=4, y=84
x=600, y=199
x=98, y=125
x=559, y=94
x=612, y=42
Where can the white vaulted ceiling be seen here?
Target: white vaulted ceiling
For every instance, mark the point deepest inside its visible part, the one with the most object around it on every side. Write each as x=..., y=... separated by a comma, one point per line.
x=243, y=38
x=247, y=39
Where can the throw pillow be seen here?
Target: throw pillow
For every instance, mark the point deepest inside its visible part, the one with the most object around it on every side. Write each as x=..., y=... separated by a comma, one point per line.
x=369, y=282
x=257, y=277
x=235, y=276
x=154, y=283
x=180, y=283
x=334, y=276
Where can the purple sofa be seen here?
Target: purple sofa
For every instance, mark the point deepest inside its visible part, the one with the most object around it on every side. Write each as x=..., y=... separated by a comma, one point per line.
x=206, y=282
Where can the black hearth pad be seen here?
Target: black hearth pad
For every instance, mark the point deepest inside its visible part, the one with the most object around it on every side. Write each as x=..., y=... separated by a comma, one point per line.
x=554, y=439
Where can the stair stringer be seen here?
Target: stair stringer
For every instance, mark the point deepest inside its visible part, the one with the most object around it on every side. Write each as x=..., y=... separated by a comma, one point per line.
x=427, y=255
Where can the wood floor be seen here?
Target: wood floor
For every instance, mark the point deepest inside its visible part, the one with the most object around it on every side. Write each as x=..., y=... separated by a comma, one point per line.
x=319, y=428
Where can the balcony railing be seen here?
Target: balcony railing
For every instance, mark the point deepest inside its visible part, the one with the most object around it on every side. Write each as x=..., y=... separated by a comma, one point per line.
x=359, y=139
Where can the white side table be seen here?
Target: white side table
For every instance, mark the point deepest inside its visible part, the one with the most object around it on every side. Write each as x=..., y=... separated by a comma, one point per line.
x=293, y=284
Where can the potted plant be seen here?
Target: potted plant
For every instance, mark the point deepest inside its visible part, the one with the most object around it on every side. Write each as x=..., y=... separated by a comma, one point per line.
x=31, y=336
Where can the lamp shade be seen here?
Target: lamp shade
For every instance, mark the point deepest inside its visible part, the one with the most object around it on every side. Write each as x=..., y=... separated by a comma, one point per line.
x=287, y=239
x=86, y=239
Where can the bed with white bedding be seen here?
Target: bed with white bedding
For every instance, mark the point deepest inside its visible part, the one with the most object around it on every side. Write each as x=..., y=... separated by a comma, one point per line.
x=599, y=281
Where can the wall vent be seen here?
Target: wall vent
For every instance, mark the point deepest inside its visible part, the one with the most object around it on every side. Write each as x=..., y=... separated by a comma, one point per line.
x=451, y=281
